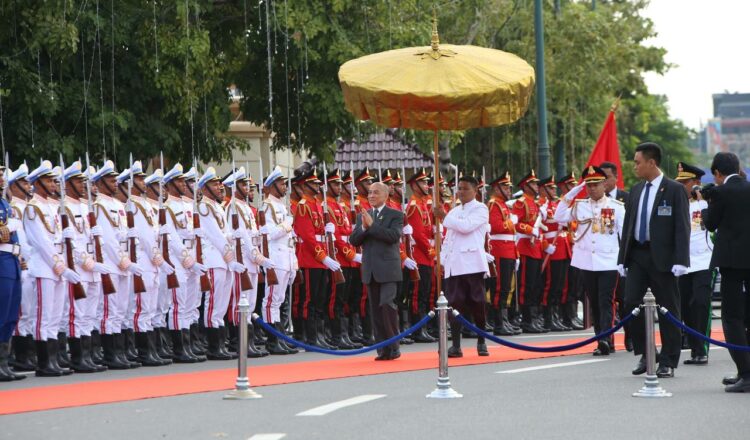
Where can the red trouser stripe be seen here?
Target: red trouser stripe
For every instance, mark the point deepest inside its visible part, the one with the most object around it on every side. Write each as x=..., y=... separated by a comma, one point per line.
x=498, y=284
x=137, y=313
x=209, y=323
x=522, y=290
x=234, y=306
x=105, y=314
x=415, y=297
x=268, y=304
x=564, y=297
x=38, y=309
x=295, y=301
x=306, y=304
x=332, y=300
x=175, y=310
x=547, y=283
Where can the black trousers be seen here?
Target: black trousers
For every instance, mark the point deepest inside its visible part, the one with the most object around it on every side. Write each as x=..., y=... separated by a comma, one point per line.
x=465, y=293
x=419, y=293
x=600, y=289
x=338, y=297
x=311, y=303
x=357, y=301
x=695, y=296
x=530, y=281
x=734, y=318
x=384, y=311
x=642, y=274
x=555, y=275
x=574, y=286
x=501, y=288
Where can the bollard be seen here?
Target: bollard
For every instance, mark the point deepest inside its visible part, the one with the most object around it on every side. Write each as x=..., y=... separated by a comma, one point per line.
x=651, y=387
x=242, y=389
x=443, y=390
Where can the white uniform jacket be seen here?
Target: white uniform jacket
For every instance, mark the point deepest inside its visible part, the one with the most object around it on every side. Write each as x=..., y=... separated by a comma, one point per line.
x=463, y=250
x=181, y=236
x=597, y=239
x=18, y=208
x=700, y=249
x=83, y=253
x=249, y=227
x=214, y=240
x=146, y=225
x=41, y=221
x=110, y=217
x=281, y=249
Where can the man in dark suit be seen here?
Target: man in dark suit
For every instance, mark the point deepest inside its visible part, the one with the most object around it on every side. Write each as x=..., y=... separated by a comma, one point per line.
x=728, y=214
x=613, y=192
x=654, y=251
x=378, y=231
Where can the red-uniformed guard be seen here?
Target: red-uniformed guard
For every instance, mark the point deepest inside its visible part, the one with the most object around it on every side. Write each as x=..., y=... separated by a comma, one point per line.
x=352, y=273
x=503, y=249
x=395, y=201
x=573, y=287
x=556, y=261
x=419, y=219
x=362, y=325
x=313, y=260
x=528, y=229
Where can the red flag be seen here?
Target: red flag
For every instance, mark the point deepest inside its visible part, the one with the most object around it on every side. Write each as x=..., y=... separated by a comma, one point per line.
x=607, y=149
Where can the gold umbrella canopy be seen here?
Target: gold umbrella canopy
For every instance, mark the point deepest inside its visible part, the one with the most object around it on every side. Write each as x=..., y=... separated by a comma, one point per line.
x=439, y=87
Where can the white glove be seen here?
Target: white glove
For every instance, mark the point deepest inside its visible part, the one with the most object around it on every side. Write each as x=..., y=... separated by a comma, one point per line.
x=265, y=230
x=96, y=231
x=163, y=230
x=574, y=192
x=622, y=271
x=102, y=268
x=252, y=233
x=408, y=230
x=679, y=270
x=132, y=233
x=198, y=268
x=357, y=258
x=330, y=228
x=135, y=269
x=535, y=232
x=166, y=268
x=70, y=276
x=489, y=257
x=267, y=263
x=514, y=218
x=68, y=233
x=410, y=264
x=518, y=264
x=237, y=233
x=236, y=267
x=551, y=249
x=331, y=264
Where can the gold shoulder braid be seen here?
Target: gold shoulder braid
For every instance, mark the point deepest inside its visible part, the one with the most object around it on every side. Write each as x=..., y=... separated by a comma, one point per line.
x=72, y=220
x=103, y=209
x=219, y=220
x=576, y=236
x=179, y=225
x=38, y=211
x=16, y=211
x=145, y=214
x=273, y=213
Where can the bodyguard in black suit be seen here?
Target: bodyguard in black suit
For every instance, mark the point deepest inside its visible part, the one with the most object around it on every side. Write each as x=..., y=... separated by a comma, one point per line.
x=378, y=231
x=728, y=214
x=654, y=251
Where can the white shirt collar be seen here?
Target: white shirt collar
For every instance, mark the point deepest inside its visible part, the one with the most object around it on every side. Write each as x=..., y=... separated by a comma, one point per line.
x=730, y=176
x=657, y=180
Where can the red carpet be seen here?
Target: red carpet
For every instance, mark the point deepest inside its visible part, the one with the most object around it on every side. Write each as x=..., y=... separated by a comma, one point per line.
x=109, y=391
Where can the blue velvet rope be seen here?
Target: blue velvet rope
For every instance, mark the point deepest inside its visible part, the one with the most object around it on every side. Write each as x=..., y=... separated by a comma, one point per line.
x=516, y=346
x=381, y=344
x=699, y=335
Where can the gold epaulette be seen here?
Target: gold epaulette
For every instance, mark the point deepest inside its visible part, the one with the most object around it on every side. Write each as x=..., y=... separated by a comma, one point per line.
x=618, y=202
x=102, y=208
x=177, y=224
x=33, y=207
x=219, y=221
x=143, y=211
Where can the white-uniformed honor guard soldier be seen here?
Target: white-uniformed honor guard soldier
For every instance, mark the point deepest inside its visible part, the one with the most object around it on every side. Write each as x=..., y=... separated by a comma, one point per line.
x=596, y=246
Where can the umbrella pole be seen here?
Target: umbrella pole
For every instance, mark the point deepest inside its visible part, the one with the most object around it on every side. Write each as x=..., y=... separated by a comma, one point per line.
x=436, y=201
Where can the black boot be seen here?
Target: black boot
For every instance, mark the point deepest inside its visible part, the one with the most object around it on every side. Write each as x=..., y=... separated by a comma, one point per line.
x=21, y=360
x=455, y=349
x=62, y=359
x=272, y=345
x=151, y=337
x=320, y=335
x=53, y=348
x=252, y=350
x=43, y=366
x=128, y=348
x=97, y=352
x=527, y=325
x=162, y=339
x=356, y=330
x=187, y=345
x=145, y=355
x=214, y=353
x=6, y=374
x=368, y=337
x=345, y=334
x=179, y=354
x=233, y=343
x=290, y=348
x=86, y=350
x=557, y=320
x=550, y=321
x=120, y=349
x=502, y=327
x=575, y=322
x=77, y=360
x=336, y=338
x=223, y=338
x=197, y=347
x=111, y=360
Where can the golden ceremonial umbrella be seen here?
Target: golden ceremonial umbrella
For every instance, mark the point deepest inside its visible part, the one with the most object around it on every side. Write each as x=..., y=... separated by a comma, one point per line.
x=435, y=88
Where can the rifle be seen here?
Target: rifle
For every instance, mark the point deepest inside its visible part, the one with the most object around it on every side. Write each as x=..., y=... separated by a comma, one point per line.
x=108, y=286
x=172, y=282
x=138, y=285
x=78, y=290
x=245, y=283
x=352, y=211
x=7, y=170
x=408, y=245
x=271, y=278
x=338, y=276
x=487, y=246
x=204, y=279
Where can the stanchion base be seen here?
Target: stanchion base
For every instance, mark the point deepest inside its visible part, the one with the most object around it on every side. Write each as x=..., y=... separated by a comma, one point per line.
x=242, y=395
x=651, y=388
x=444, y=390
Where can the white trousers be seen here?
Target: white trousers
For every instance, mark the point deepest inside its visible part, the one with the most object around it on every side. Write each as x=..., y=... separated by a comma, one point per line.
x=274, y=297
x=115, y=305
x=163, y=303
x=25, y=325
x=217, y=299
x=252, y=297
x=193, y=297
x=179, y=315
x=144, y=304
x=81, y=314
x=48, y=304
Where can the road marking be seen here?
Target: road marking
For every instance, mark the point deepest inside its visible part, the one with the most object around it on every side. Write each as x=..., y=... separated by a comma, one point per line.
x=552, y=335
x=271, y=436
x=331, y=407
x=545, y=367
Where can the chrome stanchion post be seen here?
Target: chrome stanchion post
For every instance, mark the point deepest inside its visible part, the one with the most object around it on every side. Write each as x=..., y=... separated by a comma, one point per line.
x=651, y=387
x=443, y=390
x=242, y=389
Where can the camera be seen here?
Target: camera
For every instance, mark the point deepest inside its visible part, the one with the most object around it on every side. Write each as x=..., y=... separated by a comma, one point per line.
x=706, y=191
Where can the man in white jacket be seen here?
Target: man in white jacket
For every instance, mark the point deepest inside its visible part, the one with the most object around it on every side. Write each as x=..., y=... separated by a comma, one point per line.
x=465, y=263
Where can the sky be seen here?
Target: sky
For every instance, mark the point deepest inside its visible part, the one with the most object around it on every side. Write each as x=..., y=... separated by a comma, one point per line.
x=708, y=42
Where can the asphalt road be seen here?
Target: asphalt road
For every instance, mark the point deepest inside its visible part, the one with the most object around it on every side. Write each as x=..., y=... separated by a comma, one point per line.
x=571, y=397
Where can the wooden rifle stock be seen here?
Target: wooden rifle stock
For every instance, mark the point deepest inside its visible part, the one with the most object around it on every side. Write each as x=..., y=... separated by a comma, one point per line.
x=338, y=275
x=204, y=279
x=487, y=249
x=172, y=282
x=138, y=285
x=271, y=278
x=245, y=283
x=413, y=273
x=78, y=291
x=108, y=287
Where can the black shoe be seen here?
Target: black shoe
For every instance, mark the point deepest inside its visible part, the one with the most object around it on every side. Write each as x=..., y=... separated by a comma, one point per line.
x=602, y=349
x=53, y=348
x=252, y=350
x=384, y=354
x=121, y=342
x=43, y=366
x=128, y=348
x=730, y=379
x=482, y=349
x=110, y=359
x=214, y=353
x=197, y=345
x=529, y=327
x=741, y=386
x=21, y=360
x=640, y=367
x=696, y=360
x=664, y=371
x=628, y=344
x=6, y=374
x=223, y=343
x=161, y=338
x=455, y=352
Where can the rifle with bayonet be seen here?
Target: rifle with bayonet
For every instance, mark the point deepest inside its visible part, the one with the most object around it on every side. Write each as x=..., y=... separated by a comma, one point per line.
x=271, y=279
x=204, y=279
x=138, y=285
x=172, y=282
x=78, y=291
x=487, y=246
x=245, y=283
x=7, y=171
x=108, y=287
x=406, y=238
x=338, y=275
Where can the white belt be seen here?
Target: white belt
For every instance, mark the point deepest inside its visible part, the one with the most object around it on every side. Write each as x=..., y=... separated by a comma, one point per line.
x=320, y=238
x=552, y=234
x=14, y=249
x=345, y=238
x=525, y=236
x=502, y=237
x=90, y=248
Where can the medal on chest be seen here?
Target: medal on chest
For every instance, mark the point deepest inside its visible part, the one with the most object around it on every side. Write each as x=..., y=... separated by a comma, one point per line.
x=697, y=221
